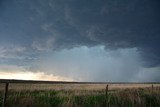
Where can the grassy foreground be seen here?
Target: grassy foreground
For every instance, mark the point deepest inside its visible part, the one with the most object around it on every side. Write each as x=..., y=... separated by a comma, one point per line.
x=136, y=97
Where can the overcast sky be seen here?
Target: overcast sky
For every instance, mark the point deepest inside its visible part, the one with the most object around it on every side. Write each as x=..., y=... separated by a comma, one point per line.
x=80, y=40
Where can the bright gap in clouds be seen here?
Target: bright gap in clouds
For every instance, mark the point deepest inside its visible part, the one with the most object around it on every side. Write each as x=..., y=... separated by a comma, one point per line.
x=15, y=72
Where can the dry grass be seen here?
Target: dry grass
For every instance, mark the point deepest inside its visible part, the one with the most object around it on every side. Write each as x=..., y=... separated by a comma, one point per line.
x=82, y=95
x=32, y=87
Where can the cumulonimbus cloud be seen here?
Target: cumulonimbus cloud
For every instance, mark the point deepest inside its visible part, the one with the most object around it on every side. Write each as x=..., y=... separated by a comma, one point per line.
x=114, y=24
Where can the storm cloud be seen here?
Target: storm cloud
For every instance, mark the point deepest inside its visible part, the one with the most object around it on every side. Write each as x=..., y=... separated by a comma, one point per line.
x=55, y=25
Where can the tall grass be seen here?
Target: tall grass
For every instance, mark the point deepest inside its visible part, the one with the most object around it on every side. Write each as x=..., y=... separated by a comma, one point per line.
x=141, y=97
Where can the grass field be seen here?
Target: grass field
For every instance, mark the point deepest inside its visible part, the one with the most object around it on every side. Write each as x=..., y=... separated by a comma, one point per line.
x=81, y=95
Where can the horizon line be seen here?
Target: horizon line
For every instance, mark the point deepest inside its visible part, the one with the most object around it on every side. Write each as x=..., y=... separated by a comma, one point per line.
x=69, y=82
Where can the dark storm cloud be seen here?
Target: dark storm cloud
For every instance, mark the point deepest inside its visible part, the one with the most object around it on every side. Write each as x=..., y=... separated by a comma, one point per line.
x=42, y=25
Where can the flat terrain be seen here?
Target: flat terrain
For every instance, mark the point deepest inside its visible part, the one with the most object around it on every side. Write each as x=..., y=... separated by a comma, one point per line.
x=39, y=86
x=81, y=94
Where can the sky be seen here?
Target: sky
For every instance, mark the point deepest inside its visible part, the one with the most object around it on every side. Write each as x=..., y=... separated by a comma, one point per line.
x=80, y=40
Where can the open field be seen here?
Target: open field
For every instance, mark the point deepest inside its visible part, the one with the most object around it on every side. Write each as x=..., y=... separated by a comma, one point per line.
x=32, y=87
x=81, y=95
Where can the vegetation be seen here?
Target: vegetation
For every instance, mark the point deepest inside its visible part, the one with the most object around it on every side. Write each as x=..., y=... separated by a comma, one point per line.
x=136, y=97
